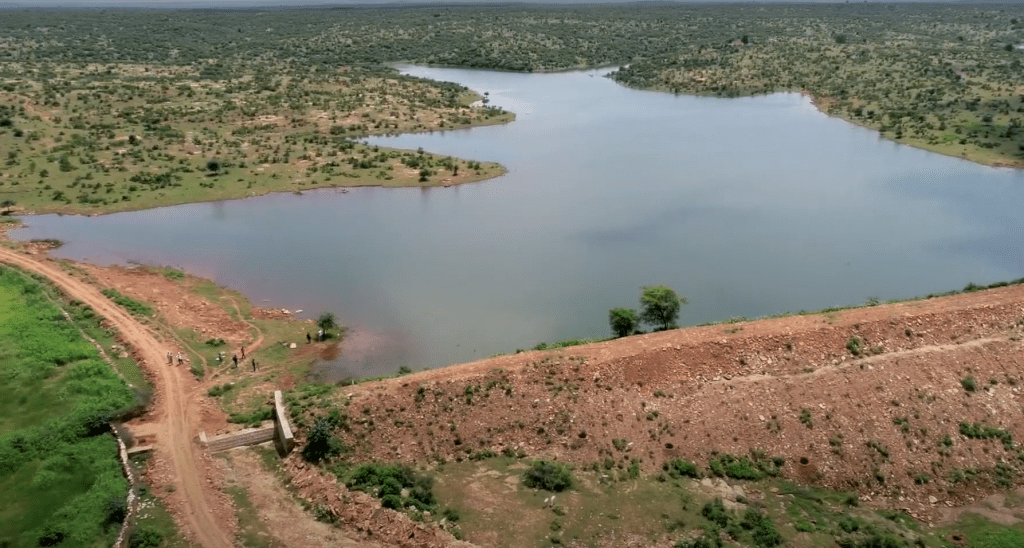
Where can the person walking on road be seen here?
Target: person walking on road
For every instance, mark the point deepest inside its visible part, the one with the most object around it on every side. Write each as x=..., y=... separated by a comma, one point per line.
x=309, y=338
x=242, y=348
x=180, y=359
x=234, y=358
x=254, y=365
x=170, y=358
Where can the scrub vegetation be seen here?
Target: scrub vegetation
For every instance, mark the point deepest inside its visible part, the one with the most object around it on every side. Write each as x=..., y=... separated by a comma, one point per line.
x=59, y=469
x=111, y=110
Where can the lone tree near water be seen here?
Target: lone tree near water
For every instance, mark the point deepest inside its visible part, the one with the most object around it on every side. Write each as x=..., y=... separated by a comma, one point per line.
x=659, y=305
x=326, y=322
x=623, y=321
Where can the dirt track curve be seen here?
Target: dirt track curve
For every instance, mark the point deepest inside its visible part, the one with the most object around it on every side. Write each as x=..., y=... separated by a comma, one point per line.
x=175, y=419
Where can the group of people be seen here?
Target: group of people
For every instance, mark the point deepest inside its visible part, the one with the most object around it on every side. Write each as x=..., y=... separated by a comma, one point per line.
x=319, y=336
x=220, y=359
x=234, y=359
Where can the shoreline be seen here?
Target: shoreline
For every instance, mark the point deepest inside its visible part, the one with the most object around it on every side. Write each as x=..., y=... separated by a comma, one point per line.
x=974, y=156
x=492, y=170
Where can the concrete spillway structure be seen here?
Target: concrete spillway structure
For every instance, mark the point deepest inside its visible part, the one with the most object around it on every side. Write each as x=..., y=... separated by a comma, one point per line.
x=281, y=432
x=249, y=436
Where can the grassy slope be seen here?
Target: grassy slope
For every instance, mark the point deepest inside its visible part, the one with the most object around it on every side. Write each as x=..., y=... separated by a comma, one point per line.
x=58, y=471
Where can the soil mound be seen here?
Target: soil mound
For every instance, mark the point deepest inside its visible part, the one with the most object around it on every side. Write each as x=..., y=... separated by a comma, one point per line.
x=916, y=402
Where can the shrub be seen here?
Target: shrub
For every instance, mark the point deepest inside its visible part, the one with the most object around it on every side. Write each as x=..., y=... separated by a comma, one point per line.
x=715, y=512
x=115, y=508
x=682, y=467
x=145, y=538
x=384, y=480
x=969, y=383
x=726, y=465
x=451, y=515
x=984, y=432
x=322, y=443
x=483, y=454
x=548, y=475
x=805, y=418
x=391, y=501
x=762, y=529
x=255, y=417
x=710, y=539
x=219, y=389
x=855, y=345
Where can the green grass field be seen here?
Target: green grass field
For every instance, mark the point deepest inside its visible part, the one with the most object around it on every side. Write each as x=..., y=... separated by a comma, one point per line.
x=59, y=471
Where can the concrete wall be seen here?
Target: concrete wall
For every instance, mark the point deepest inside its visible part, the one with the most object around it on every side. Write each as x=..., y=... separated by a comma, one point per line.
x=249, y=436
x=283, y=428
x=281, y=432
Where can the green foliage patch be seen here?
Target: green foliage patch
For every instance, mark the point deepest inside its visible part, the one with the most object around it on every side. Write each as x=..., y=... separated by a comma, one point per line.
x=387, y=482
x=681, y=467
x=548, y=475
x=984, y=432
x=128, y=303
x=59, y=471
x=756, y=467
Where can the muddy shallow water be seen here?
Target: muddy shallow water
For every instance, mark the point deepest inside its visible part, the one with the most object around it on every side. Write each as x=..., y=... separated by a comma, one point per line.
x=748, y=207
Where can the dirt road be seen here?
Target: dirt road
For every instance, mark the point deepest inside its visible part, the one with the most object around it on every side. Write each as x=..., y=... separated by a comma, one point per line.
x=175, y=420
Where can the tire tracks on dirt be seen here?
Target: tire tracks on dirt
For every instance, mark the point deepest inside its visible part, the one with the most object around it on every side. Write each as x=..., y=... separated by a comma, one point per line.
x=175, y=417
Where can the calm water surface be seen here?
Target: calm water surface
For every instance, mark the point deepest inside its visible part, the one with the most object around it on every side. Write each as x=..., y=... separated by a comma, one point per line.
x=747, y=206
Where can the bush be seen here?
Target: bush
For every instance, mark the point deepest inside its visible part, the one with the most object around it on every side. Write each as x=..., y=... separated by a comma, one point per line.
x=322, y=443
x=255, y=417
x=969, y=383
x=115, y=508
x=985, y=432
x=805, y=418
x=855, y=345
x=219, y=389
x=391, y=501
x=710, y=539
x=483, y=454
x=726, y=465
x=145, y=538
x=715, y=512
x=762, y=529
x=548, y=475
x=388, y=480
x=682, y=467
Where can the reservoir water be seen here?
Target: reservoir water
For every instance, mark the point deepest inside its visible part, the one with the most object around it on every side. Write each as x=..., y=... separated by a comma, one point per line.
x=748, y=207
